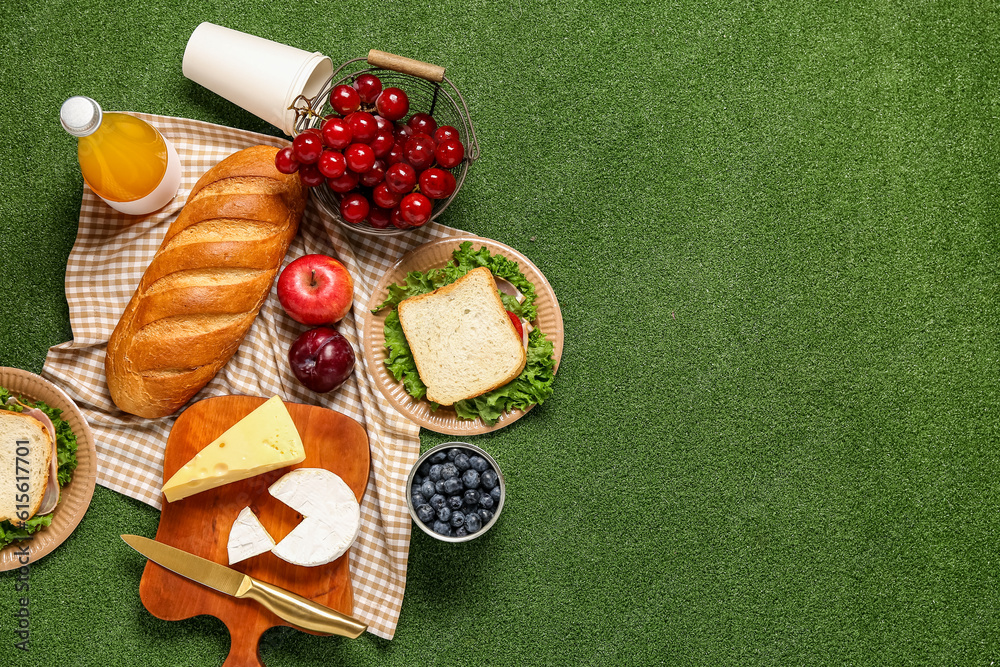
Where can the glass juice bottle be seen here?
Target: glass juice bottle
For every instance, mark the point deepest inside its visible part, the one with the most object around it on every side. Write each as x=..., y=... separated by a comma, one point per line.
x=124, y=160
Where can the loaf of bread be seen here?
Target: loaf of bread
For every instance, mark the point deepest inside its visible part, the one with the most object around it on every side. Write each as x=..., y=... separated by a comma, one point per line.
x=461, y=338
x=205, y=285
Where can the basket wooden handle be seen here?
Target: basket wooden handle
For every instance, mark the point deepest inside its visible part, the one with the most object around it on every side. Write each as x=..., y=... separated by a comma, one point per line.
x=384, y=60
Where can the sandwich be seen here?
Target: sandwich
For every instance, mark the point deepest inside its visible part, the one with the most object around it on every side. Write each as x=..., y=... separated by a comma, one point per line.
x=454, y=339
x=461, y=338
x=38, y=456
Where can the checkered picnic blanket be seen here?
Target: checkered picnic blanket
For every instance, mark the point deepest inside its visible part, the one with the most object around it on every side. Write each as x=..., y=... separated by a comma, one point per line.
x=107, y=261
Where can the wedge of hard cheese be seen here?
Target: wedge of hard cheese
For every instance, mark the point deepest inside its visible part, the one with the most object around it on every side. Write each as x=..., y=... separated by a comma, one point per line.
x=264, y=440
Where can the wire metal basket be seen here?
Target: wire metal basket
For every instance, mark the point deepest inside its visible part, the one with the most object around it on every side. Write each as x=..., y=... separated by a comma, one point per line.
x=428, y=90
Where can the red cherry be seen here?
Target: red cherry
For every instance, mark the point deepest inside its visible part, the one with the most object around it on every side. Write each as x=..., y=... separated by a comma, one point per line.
x=311, y=175
x=402, y=133
x=343, y=183
x=336, y=133
x=437, y=183
x=392, y=103
x=360, y=157
x=368, y=87
x=422, y=123
x=384, y=197
x=379, y=218
x=419, y=151
x=331, y=163
x=344, y=99
x=382, y=143
x=396, y=218
x=363, y=126
x=395, y=154
x=285, y=161
x=415, y=208
x=449, y=153
x=400, y=178
x=373, y=176
x=384, y=124
x=307, y=147
x=354, y=208
x=445, y=132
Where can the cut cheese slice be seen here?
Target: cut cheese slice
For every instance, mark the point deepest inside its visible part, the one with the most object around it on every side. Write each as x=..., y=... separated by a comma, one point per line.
x=332, y=516
x=248, y=537
x=264, y=440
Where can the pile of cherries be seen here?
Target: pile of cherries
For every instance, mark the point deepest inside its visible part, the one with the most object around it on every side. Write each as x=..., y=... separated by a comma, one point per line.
x=387, y=171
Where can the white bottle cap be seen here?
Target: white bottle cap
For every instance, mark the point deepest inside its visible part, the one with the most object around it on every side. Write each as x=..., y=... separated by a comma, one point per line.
x=80, y=116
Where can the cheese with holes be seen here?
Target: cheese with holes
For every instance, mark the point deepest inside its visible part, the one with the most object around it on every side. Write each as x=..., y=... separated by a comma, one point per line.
x=332, y=516
x=248, y=537
x=264, y=440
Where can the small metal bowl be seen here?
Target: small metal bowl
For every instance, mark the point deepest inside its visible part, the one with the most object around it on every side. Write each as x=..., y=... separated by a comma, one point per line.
x=472, y=449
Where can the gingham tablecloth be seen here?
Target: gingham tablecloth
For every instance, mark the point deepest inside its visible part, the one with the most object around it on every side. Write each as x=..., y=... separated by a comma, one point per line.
x=109, y=257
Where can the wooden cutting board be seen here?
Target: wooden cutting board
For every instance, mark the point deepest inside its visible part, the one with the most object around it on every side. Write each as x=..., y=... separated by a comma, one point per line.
x=200, y=523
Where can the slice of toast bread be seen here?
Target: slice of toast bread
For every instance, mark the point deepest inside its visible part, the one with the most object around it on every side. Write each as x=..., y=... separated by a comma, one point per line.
x=25, y=458
x=462, y=340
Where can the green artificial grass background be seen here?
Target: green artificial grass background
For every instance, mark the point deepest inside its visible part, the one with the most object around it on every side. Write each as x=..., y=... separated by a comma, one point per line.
x=772, y=229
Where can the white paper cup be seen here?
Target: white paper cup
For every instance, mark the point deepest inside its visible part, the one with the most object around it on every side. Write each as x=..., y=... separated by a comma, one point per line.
x=262, y=76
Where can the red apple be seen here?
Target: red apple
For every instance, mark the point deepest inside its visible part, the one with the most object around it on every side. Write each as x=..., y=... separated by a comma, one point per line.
x=316, y=289
x=321, y=359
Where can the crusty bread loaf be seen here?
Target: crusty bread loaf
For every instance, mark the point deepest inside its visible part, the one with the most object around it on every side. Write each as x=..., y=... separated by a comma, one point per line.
x=204, y=286
x=33, y=461
x=462, y=340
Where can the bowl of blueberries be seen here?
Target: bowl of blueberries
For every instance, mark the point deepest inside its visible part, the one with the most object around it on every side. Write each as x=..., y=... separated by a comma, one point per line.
x=455, y=492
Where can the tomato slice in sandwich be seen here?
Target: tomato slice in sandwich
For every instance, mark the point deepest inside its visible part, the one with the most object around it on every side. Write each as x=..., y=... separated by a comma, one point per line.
x=517, y=324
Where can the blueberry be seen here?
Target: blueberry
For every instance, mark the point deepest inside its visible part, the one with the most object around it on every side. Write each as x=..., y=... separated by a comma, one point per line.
x=495, y=492
x=439, y=486
x=434, y=474
x=438, y=457
x=470, y=479
x=489, y=479
x=485, y=515
x=427, y=489
x=486, y=500
x=478, y=463
x=425, y=513
x=417, y=481
x=441, y=528
x=424, y=468
x=461, y=532
x=473, y=523
x=455, y=502
x=453, y=453
x=471, y=497
x=457, y=519
x=418, y=499
x=452, y=485
x=448, y=470
x=462, y=462
x=437, y=501
x=444, y=514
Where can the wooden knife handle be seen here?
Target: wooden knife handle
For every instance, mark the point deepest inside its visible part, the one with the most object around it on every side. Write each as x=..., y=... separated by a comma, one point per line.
x=299, y=611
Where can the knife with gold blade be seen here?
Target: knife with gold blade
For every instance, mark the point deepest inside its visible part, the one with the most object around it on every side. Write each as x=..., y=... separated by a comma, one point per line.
x=297, y=610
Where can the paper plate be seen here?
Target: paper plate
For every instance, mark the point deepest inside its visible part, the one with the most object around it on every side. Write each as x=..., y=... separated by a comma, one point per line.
x=433, y=255
x=77, y=494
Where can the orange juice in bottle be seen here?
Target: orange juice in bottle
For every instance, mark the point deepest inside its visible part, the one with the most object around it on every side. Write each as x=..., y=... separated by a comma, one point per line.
x=124, y=160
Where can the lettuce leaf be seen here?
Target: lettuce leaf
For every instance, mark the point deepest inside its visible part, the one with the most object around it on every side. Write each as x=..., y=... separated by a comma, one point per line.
x=66, y=446
x=532, y=386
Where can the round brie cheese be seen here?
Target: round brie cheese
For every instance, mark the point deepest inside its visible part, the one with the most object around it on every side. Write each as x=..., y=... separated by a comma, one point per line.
x=332, y=516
